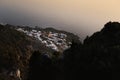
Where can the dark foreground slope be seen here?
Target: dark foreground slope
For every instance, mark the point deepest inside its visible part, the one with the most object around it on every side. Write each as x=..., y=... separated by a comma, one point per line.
x=15, y=51
x=98, y=58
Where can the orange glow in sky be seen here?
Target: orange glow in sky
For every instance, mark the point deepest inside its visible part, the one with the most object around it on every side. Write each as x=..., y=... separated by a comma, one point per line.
x=81, y=16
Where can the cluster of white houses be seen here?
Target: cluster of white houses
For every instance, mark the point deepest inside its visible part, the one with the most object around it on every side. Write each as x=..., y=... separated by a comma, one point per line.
x=55, y=41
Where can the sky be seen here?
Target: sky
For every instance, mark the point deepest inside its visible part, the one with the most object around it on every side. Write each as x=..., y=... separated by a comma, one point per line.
x=82, y=17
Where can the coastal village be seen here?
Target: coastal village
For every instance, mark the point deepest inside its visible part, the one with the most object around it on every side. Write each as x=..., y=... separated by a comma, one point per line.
x=55, y=41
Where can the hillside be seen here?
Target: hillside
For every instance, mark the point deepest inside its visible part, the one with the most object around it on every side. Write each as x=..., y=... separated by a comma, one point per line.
x=17, y=44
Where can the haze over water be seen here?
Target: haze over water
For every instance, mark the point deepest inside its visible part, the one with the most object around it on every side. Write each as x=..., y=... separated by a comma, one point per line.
x=82, y=17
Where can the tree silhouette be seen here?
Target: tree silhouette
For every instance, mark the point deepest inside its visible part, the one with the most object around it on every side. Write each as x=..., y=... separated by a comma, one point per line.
x=42, y=67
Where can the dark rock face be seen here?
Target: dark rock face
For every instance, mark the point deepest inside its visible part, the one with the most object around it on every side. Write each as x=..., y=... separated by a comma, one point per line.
x=111, y=27
x=98, y=58
x=109, y=35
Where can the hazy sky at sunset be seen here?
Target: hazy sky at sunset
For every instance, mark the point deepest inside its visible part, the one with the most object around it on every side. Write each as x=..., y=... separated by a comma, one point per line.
x=79, y=16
